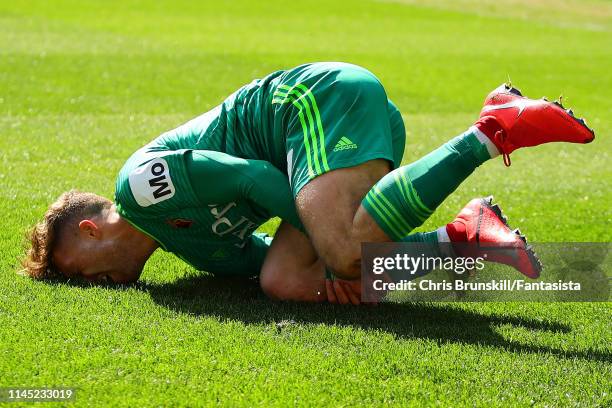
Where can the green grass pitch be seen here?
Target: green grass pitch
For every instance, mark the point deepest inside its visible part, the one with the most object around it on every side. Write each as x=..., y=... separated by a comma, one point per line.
x=85, y=83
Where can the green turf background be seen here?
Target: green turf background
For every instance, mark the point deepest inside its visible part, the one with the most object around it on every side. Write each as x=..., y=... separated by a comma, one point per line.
x=84, y=83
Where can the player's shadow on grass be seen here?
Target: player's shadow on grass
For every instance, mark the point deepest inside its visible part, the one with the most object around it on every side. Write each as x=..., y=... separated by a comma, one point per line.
x=243, y=301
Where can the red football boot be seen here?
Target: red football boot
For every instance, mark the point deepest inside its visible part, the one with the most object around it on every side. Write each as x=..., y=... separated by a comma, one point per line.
x=481, y=230
x=502, y=94
x=529, y=122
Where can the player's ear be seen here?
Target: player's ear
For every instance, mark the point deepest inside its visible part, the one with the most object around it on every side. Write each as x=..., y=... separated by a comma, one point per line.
x=90, y=228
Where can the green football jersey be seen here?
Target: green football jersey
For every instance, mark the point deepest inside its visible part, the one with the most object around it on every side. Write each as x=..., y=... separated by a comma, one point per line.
x=202, y=189
x=204, y=206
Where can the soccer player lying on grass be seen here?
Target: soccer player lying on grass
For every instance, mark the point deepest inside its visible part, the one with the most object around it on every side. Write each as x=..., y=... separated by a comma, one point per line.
x=320, y=146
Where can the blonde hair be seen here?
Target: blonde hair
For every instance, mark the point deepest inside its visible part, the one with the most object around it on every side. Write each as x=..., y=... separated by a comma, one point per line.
x=70, y=208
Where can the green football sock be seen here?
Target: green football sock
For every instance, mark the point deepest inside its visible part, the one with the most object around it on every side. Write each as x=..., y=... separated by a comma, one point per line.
x=425, y=237
x=427, y=243
x=407, y=196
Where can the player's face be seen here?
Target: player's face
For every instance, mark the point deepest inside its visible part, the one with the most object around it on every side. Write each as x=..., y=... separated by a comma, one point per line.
x=100, y=263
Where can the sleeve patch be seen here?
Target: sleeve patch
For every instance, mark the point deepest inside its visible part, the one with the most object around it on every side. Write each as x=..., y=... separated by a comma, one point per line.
x=151, y=183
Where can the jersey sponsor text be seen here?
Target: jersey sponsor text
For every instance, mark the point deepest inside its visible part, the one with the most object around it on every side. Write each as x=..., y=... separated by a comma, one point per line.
x=151, y=183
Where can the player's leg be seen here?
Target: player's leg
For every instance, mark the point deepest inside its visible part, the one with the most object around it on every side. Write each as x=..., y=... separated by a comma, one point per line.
x=371, y=204
x=340, y=209
x=330, y=208
x=292, y=270
x=400, y=202
x=403, y=199
x=322, y=137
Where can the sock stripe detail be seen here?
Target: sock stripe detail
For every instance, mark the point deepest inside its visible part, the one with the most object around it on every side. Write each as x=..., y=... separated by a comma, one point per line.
x=419, y=210
x=402, y=187
x=394, y=215
x=413, y=203
x=390, y=230
x=410, y=198
x=419, y=205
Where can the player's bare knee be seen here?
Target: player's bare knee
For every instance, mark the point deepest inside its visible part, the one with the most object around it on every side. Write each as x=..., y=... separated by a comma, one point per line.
x=277, y=282
x=345, y=261
x=271, y=283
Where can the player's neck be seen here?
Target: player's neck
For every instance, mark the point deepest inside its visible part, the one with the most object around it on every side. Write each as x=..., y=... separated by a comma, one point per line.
x=139, y=244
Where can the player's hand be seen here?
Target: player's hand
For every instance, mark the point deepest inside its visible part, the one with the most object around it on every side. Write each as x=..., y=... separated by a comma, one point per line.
x=344, y=292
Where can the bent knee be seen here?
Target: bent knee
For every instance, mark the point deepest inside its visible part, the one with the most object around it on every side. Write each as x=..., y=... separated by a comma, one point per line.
x=271, y=283
x=289, y=283
x=279, y=284
x=344, y=262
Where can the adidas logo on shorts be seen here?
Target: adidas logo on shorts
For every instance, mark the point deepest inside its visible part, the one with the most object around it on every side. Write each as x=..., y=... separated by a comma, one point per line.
x=344, y=144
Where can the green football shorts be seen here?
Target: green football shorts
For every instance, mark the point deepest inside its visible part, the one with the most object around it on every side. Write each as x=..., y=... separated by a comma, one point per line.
x=338, y=115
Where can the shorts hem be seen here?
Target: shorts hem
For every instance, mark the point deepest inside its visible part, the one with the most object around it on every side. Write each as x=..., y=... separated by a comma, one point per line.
x=342, y=164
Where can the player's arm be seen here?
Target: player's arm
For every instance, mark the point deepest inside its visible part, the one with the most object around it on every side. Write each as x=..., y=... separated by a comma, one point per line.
x=218, y=177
